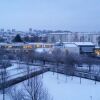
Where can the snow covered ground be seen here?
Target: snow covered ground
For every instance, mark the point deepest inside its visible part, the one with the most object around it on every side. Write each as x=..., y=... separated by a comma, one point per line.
x=66, y=88
x=17, y=70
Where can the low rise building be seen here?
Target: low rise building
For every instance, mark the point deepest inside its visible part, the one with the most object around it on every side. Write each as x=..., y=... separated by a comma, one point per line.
x=15, y=47
x=77, y=47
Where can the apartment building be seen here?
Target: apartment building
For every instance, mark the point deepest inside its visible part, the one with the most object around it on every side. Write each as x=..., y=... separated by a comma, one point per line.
x=74, y=37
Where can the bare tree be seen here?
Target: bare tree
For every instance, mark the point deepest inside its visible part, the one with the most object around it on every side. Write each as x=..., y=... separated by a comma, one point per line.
x=16, y=94
x=37, y=57
x=43, y=56
x=70, y=60
x=27, y=62
x=33, y=91
x=28, y=59
x=19, y=56
x=3, y=74
x=57, y=58
x=87, y=60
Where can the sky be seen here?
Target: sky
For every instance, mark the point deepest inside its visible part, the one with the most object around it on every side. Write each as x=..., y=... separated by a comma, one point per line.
x=73, y=15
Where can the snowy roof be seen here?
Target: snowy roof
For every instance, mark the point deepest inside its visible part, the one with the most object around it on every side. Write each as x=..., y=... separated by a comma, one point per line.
x=60, y=33
x=42, y=49
x=21, y=44
x=69, y=45
x=80, y=33
x=3, y=43
x=40, y=43
x=97, y=47
x=84, y=43
x=75, y=44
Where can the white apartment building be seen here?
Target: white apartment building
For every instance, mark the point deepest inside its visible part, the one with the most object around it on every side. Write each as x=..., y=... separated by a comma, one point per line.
x=74, y=37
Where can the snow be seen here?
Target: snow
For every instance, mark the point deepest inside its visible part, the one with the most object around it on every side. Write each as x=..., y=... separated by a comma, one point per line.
x=84, y=43
x=80, y=43
x=40, y=50
x=70, y=45
x=17, y=70
x=76, y=44
x=66, y=88
x=97, y=47
x=61, y=33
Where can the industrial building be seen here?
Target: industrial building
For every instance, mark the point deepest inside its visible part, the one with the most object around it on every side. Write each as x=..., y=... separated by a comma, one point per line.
x=77, y=47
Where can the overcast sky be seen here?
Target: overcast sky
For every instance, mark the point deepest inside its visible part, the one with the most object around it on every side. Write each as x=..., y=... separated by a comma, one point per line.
x=74, y=15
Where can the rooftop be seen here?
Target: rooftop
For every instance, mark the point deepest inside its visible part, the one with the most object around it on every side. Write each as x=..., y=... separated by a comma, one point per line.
x=84, y=43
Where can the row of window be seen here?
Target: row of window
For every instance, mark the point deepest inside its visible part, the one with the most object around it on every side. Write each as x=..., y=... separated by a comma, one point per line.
x=29, y=46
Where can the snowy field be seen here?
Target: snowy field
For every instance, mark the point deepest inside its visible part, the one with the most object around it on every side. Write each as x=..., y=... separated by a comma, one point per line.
x=66, y=88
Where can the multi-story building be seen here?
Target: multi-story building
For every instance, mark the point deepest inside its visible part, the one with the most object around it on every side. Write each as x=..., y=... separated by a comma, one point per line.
x=74, y=37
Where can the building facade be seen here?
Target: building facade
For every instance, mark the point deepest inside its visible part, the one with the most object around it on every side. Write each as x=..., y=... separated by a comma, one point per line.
x=74, y=37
